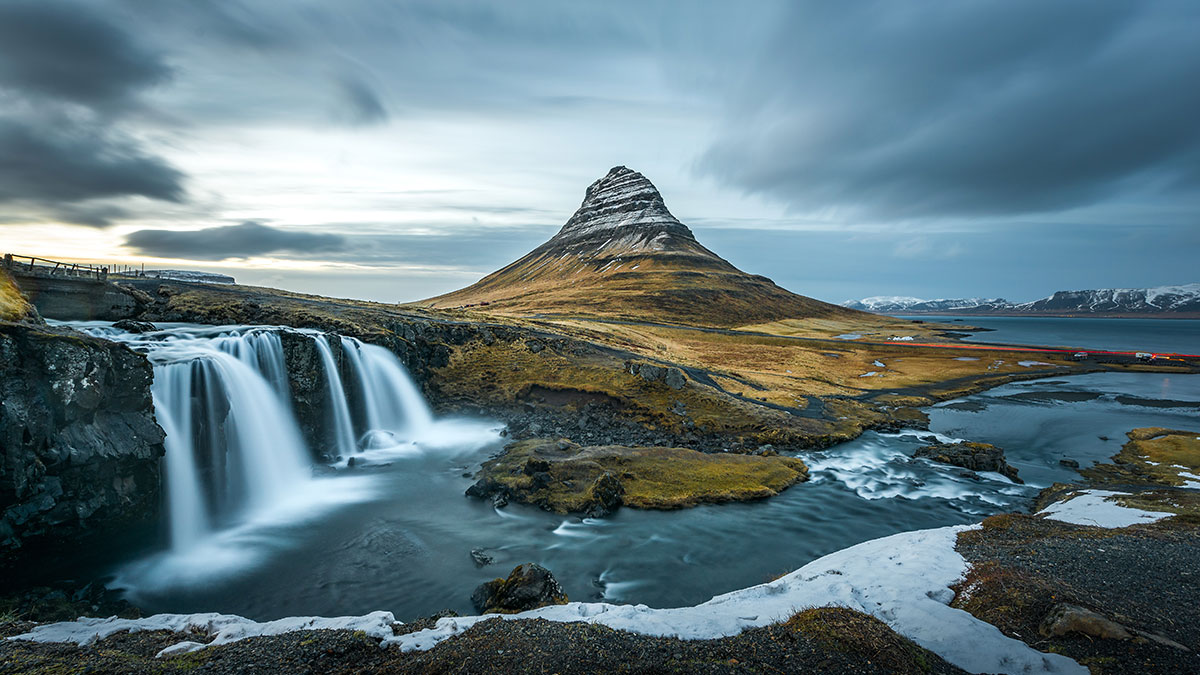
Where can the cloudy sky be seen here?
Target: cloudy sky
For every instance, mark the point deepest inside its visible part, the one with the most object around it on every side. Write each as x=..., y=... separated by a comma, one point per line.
x=395, y=150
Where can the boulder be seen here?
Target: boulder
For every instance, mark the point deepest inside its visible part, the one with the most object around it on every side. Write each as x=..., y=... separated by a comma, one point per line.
x=675, y=378
x=527, y=587
x=134, y=326
x=604, y=496
x=672, y=377
x=1066, y=618
x=973, y=456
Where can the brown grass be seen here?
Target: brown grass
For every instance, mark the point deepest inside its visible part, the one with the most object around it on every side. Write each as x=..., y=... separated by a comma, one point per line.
x=1154, y=456
x=1010, y=599
x=845, y=630
x=13, y=305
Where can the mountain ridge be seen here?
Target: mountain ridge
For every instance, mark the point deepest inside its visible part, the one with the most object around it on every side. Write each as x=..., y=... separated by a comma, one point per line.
x=623, y=255
x=1182, y=300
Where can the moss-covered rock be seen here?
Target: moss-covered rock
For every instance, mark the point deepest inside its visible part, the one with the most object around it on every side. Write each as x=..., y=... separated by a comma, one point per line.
x=973, y=456
x=564, y=477
x=527, y=587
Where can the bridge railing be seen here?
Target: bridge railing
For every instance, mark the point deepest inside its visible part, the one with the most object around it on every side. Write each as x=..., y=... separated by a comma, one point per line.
x=24, y=264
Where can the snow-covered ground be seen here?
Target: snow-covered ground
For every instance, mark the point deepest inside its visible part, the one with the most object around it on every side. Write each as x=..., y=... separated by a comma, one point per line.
x=1096, y=507
x=904, y=580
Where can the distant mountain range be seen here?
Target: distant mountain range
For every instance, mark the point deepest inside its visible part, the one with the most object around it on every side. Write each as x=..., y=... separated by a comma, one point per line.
x=1159, y=301
x=623, y=255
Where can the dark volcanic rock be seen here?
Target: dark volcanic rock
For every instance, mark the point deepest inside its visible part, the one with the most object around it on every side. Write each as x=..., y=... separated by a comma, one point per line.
x=79, y=446
x=973, y=456
x=481, y=558
x=528, y=586
x=134, y=326
x=672, y=377
x=310, y=387
x=606, y=495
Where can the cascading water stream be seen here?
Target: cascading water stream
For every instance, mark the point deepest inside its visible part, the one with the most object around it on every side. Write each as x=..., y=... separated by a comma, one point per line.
x=343, y=426
x=237, y=471
x=393, y=407
x=188, y=517
x=225, y=419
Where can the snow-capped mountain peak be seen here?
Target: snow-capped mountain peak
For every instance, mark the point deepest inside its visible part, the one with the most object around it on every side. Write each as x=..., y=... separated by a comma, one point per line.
x=1176, y=299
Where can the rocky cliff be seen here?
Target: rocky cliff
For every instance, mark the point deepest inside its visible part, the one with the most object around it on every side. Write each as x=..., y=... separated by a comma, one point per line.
x=79, y=447
x=80, y=299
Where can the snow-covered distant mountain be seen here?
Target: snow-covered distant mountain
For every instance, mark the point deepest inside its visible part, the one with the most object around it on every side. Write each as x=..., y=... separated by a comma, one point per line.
x=1158, y=300
x=892, y=304
x=1183, y=299
x=191, y=275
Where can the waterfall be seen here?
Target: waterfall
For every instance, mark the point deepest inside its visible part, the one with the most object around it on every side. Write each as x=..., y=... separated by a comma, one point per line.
x=226, y=420
x=393, y=406
x=234, y=448
x=188, y=517
x=263, y=351
x=343, y=427
x=237, y=466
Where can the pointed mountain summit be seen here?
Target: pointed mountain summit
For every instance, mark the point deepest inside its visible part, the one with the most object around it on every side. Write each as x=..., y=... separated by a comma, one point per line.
x=623, y=255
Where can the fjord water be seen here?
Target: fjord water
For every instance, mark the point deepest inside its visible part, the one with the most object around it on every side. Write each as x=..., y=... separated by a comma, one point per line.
x=1179, y=336
x=397, y=534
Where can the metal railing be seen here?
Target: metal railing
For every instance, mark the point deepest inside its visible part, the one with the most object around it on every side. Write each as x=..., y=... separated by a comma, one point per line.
x=45, y=267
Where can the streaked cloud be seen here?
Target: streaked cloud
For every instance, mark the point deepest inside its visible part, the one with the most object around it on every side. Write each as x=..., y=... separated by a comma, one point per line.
x=246, y=240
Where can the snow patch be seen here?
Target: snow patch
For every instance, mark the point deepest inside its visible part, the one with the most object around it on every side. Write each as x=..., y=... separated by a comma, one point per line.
x=1191, y=480
x=1095, y=507
x=222, y=628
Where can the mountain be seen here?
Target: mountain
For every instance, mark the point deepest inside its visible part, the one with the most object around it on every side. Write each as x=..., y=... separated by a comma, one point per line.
x=1159, y=301
x=623, y=255
x=892, y=304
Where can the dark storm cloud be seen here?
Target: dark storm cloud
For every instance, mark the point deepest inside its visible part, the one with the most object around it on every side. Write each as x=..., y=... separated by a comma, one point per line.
x=89, y=214
x=232, y=241
x=364, y=103
x=70, y=51
x=48, y=163
x=898, y=110
x=71, y=74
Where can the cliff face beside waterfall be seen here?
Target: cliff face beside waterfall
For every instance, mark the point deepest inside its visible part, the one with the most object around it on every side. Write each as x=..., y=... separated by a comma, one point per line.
x=79, y=445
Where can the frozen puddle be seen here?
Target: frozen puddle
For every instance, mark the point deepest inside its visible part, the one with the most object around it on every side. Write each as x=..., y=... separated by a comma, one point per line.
x=904, y=580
